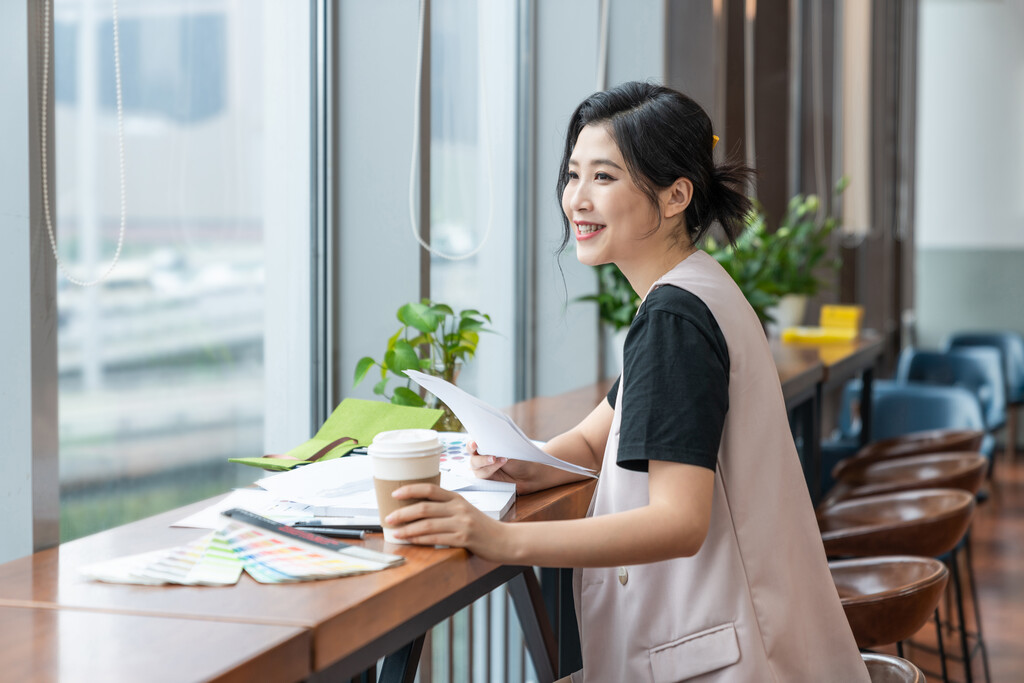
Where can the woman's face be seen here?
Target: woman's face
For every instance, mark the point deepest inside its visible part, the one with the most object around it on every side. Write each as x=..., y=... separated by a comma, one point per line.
x=611, y=218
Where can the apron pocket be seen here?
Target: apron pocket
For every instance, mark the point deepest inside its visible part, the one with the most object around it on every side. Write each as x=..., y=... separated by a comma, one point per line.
x=695, y=654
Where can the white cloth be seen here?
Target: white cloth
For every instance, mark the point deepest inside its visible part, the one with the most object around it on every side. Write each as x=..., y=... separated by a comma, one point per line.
x=757, y=602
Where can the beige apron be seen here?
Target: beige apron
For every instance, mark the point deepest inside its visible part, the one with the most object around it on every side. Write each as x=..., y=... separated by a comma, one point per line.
x=757, y=602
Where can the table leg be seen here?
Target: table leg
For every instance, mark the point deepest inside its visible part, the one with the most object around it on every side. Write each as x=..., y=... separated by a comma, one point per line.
x=537, y=632
x=400, y=666
x=556, y=585
x=865, y=406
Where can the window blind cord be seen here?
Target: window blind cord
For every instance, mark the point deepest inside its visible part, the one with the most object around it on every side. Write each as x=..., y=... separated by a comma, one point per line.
x=602, y=48
x=820, y=181
x=120, y=148
x=417, y=102
x=749, y=17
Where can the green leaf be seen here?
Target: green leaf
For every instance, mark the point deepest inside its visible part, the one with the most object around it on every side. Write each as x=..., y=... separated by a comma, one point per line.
x=364, y=364
x=380, y=387
x=402, y=357
x=420, y=316
x=394, y=338
x=404, y=396
x=442, y=309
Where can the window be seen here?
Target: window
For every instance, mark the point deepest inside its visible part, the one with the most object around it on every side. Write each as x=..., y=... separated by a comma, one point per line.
x=181, y=358
x=473, y=176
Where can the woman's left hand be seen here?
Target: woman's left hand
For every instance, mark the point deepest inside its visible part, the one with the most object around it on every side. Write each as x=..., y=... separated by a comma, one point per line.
x=442, y=517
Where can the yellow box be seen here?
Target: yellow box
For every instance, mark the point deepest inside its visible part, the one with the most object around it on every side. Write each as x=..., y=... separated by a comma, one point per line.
x=843, y=317
x=819, y=335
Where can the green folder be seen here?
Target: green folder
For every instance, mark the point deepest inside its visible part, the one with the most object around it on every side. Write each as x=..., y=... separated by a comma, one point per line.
x=354, y=418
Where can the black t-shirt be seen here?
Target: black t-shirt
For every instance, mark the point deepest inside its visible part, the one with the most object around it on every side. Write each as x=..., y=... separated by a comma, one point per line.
x=676, y=364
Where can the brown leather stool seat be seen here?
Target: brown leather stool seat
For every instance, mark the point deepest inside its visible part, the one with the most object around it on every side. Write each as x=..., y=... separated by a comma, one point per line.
x=915, y=443
x=889, y=669
x=888, y=599
x=960, y=470
x=927, y=522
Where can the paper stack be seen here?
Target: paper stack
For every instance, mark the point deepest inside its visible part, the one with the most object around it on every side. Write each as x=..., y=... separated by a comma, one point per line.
x=344, y=487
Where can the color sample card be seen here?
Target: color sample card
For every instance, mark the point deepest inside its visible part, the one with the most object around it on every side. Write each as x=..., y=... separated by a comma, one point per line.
x=455, y=446
x=218, y=559
x=207, y=561
x=270, y=558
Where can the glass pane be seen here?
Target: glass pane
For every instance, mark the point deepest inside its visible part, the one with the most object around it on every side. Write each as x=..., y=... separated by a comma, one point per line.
x=163, y=366
x=472, y=183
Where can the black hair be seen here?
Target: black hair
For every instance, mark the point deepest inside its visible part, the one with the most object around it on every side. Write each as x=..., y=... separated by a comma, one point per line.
x=664, y=135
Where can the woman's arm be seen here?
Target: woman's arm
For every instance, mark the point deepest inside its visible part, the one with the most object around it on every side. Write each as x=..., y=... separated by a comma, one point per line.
x=673, y=524
x=582, y=445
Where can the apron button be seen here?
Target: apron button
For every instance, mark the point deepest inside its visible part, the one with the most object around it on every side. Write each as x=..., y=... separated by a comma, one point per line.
x=623, y=575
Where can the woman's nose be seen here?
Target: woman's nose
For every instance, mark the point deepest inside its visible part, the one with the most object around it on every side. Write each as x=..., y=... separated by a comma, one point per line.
x=579, y=197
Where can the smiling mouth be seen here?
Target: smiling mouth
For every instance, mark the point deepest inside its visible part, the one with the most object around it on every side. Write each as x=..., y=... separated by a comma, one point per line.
x=584, y=229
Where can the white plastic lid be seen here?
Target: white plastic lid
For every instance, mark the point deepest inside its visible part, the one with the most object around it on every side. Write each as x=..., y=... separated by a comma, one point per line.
x=404, y=443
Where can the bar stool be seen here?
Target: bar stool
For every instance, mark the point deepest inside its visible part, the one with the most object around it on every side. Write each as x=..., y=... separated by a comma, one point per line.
x=927, y=522
x=915, y=443
x=889, y=669
x=888, y=599
x=963, y=470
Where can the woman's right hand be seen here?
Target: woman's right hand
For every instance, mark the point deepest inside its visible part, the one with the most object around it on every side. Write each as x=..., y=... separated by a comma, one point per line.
x=498, y=469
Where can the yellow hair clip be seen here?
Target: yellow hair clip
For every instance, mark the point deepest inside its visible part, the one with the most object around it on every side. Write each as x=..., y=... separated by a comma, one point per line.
x=714, y=141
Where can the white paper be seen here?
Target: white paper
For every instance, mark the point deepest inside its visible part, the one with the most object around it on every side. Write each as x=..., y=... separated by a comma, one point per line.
x=256, y=500
x=343, y=487
x=494, y=432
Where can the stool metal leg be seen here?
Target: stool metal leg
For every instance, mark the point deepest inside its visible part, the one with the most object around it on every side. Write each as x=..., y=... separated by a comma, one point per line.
x=977, y=607
x=959, y=598
x=942, y=649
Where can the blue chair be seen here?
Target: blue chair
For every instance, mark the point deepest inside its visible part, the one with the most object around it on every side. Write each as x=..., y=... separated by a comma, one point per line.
x=897, y=409
x=1011, y=348
x=978, y=369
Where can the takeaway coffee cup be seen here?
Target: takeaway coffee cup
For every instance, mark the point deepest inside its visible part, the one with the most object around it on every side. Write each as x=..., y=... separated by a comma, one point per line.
x=401, y=457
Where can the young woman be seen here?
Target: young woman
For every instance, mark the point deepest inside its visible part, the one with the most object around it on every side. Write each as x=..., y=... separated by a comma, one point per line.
x=700, y=558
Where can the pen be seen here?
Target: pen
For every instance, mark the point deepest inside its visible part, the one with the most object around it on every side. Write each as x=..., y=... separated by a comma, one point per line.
x=328, y=531
x=371, y=528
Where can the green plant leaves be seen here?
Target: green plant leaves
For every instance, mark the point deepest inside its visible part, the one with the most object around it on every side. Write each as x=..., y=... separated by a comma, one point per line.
x=616, y=301
x=404, y=396
x=364, y=364
x=403, y=357
x=420, y=316
x=434, y=330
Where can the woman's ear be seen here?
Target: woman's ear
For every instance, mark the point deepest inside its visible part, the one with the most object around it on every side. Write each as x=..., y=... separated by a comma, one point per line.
x=676, y=197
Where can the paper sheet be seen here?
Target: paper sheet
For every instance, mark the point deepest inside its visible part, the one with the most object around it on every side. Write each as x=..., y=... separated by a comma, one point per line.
x=269, y=505
x=494, y=431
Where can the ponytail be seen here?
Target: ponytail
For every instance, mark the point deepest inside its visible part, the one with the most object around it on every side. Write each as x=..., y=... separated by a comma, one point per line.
x=726, y=202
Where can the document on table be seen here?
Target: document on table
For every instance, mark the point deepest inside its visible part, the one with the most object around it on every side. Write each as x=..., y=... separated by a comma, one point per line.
x=494, y=432
x=273, y=507
x=344, y=487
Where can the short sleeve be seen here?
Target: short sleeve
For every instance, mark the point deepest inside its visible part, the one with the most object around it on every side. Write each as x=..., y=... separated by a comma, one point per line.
x=676, y=391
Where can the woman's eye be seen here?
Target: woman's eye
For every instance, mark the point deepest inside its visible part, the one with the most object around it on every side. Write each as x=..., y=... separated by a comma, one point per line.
x=571, y=175
x=602, y=176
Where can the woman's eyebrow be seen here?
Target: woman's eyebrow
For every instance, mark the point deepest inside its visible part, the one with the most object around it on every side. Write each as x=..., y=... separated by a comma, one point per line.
x=597, y=162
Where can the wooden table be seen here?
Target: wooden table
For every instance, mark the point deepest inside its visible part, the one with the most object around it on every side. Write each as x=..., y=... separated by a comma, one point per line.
x=350, y=622
x=79, y=646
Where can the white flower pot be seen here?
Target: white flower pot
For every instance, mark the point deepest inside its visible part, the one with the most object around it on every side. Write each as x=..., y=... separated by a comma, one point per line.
x=788, y=313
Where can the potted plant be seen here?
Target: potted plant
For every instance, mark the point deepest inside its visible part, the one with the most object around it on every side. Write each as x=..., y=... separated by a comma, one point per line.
x=779, y=270
x=432, y=339
x=748, y=262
